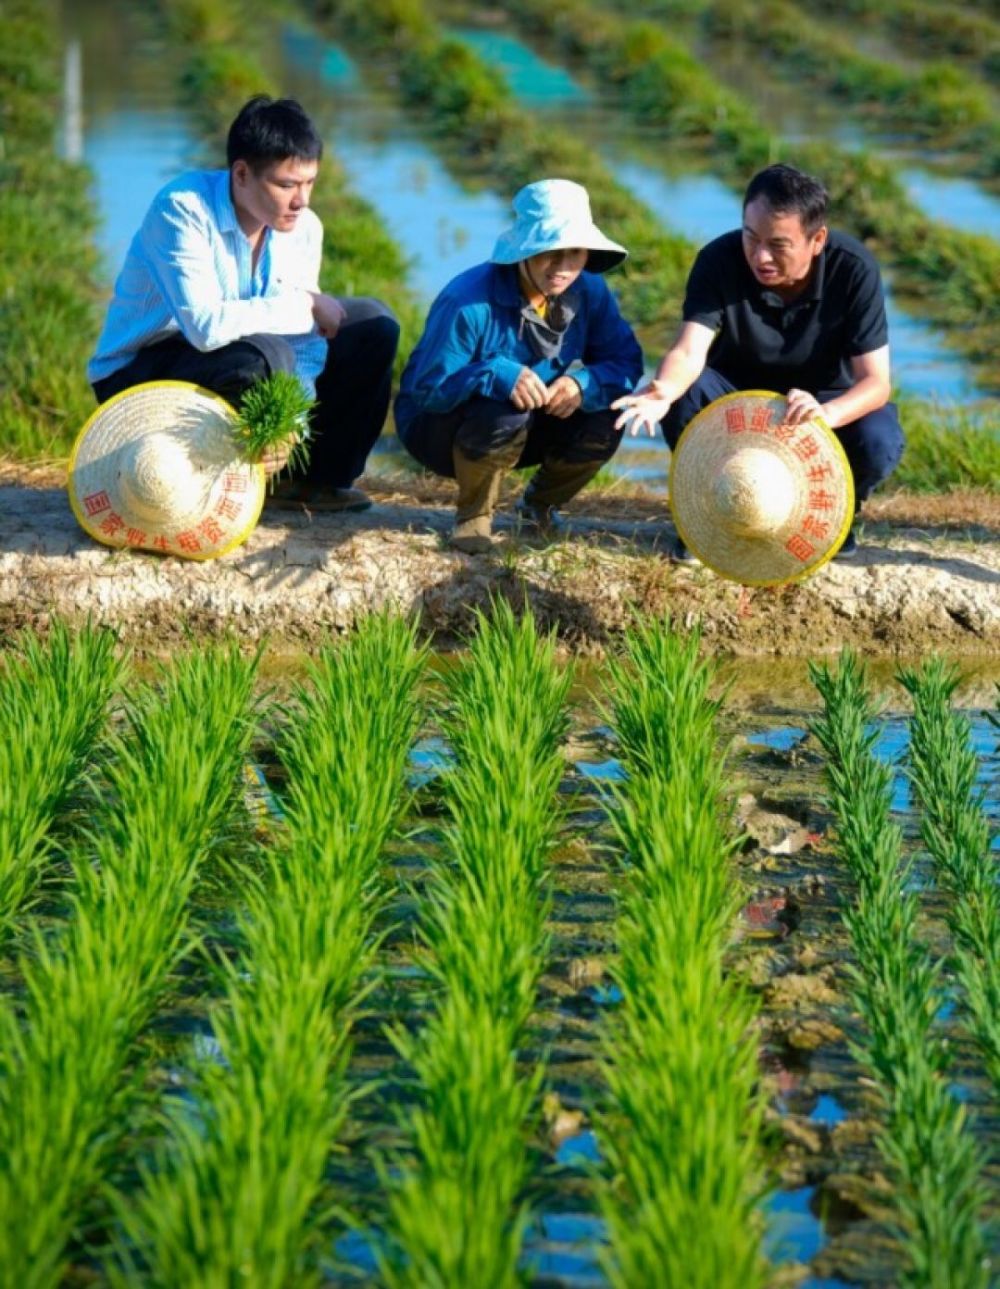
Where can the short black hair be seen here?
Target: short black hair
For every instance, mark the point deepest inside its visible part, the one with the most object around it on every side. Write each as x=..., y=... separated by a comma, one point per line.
x=789, y=191
x=268, y=130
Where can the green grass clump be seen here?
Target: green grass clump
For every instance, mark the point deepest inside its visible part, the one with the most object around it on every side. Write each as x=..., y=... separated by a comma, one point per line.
x=53, y=707
x=68, y=1077
x=233, y=1196
x=949, y=447
x=897, y=988
x=456, y=1214
x=943, y=768
x=683, y=1123
x=49, y=268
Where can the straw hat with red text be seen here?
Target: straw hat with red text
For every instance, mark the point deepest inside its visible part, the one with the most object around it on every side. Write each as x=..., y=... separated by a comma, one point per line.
x=756, y=500
x=158, y=468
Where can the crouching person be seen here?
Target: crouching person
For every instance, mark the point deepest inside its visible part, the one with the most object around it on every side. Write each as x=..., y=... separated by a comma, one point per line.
x=488, y=387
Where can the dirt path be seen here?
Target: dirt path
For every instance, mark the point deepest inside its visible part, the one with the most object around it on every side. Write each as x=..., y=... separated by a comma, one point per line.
x=928, y=575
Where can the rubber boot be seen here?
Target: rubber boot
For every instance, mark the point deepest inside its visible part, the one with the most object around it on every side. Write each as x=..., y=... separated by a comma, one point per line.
x=479, y=481
x=554, y=483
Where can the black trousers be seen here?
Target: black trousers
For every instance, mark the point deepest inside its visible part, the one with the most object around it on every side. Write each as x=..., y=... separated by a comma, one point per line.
x=352, y=391
x=483, y=426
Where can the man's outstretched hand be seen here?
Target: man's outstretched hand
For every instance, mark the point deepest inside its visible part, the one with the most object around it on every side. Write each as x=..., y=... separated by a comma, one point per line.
x=644, y=409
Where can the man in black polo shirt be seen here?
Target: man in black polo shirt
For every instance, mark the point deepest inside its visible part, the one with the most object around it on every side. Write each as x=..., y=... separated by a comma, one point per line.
x=783, y=304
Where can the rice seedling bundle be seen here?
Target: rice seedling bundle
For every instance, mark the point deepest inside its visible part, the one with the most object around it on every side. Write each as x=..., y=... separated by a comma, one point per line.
x=681, y=1129
x=454, y=1217
x=956, y=831
x=67, y=1076
x=53, y=704
x=233, y=1195
x=897, y=988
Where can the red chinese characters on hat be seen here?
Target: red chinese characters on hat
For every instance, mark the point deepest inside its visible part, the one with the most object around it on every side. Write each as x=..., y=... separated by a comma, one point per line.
x=188, y=541
x=736, y=420
x=800, y=547
x=96, y=502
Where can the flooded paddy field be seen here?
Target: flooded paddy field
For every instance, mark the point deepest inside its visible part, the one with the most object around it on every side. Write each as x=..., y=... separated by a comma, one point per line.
x=486, y=969
x=830, y=1209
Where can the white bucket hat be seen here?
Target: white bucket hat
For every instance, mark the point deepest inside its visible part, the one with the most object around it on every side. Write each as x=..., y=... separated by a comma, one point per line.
x=758, y=501
x=554, y=215
x=158, y=468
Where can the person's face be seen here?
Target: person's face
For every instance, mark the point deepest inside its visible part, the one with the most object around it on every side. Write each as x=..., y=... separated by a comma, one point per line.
x=553, y=271
x=274, y=196
x=778, y=249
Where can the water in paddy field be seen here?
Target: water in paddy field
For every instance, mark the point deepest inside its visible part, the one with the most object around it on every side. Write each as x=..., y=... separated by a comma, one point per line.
x=135, y=138
x=128, y=129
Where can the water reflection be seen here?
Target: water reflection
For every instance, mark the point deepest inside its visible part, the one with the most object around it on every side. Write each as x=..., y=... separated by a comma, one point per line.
x=442, y=227
x=531, y=78
x=958, y=202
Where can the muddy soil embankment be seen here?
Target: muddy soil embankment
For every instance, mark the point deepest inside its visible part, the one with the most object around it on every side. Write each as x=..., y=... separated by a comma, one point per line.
x=927, y=576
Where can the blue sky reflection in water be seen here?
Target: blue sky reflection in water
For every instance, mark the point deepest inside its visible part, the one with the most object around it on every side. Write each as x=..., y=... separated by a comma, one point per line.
x=533, y=80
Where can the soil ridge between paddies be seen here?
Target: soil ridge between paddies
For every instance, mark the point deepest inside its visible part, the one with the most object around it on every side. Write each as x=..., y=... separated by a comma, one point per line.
x=920, y=581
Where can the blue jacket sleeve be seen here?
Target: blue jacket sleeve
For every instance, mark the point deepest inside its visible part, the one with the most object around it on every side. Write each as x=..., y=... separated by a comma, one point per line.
x=612, y=358
x=446, y=368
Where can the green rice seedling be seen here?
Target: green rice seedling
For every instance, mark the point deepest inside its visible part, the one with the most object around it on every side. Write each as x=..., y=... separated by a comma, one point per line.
x=455, y=1213
x=53, y=705
x=272, y=412
x=67, y=1061
x=956, y=831
x=931, y=28
x=234, y=1193
x=935, y=98
x=681, y=1130
x=896, y=985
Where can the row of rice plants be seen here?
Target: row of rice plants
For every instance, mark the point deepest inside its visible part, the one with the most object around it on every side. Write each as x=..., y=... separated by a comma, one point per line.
x=930, y=1154
x=463, y=97
x=956, y=274
x=935, y=100
x=69, y=1068
x=454, y=1211
x=234, y=1193
x=948, y=446
x=682, y=1127
x=53, y=707
x=930, y=28
x=48, y=270
x=956, y=831
x=222, y=71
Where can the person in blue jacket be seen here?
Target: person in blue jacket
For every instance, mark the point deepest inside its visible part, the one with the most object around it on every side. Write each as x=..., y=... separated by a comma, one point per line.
x=519, y=363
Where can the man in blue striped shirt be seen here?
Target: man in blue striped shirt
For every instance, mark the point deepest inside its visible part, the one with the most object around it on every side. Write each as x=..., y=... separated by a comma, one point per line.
x=220, y=287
